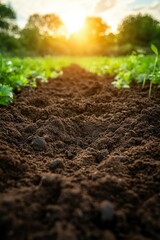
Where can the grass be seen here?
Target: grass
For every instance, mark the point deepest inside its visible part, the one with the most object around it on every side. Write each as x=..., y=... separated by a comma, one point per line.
x=17, y=73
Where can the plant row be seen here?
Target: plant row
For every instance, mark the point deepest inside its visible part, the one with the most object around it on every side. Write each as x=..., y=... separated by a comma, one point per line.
x=17, y=73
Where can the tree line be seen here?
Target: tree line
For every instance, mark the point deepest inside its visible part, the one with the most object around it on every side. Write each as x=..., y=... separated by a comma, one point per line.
x=47, y=35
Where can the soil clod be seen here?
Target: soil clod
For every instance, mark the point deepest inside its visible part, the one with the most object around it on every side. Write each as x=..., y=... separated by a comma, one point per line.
x=39, y=144
x=57, y=163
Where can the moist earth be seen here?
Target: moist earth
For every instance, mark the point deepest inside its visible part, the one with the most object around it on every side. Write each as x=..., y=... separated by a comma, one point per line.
x=80, y=160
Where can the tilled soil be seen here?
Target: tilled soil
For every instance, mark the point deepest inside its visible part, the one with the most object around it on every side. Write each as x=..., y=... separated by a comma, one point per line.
x=80, y=160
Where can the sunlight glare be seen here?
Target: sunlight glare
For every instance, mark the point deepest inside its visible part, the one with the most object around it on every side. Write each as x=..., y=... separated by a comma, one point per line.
x=73, y=21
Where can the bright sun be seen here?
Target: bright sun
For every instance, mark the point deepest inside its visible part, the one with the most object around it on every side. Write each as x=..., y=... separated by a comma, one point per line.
x=73, y=21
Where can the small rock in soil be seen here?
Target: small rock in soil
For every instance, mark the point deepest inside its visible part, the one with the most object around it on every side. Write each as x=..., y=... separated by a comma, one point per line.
x=39, y=144
x=106, y=211
x=57, y=163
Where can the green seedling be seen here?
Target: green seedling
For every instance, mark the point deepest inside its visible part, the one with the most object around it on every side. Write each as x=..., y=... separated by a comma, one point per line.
x=153, y=75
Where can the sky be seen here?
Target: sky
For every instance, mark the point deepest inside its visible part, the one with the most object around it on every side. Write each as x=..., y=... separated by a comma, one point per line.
x=112, y=11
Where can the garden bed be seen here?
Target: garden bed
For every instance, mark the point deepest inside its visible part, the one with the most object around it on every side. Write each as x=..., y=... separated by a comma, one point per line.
x=80, y=160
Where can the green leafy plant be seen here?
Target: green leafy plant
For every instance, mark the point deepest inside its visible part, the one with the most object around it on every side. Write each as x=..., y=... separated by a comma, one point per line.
x=134, y=68
x=17, y=73
x=6, y=94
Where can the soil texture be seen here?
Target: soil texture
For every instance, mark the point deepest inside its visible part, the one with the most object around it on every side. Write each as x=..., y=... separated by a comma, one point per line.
x=80, y=160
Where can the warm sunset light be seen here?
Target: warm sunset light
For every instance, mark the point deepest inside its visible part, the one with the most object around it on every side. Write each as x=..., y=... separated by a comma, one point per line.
x=73, y=21
x=79, y=119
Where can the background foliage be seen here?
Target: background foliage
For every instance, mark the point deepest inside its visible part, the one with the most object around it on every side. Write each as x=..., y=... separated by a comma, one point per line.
x=47, y=35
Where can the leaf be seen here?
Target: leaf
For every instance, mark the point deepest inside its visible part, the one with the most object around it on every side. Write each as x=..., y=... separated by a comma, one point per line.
x=5, y=101
x=6, y=94
x=154, y=49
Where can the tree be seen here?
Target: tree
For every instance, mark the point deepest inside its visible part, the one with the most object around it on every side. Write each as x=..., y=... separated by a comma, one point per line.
x=48, y=24
x=31, y=40
x=41, y=32
x=139, y=30
x=8, y=29
x=92, y=37
x=7, y=15
x=95, y=28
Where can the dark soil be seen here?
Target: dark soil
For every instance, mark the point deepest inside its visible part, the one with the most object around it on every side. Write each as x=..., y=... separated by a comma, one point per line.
x=80, y=160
